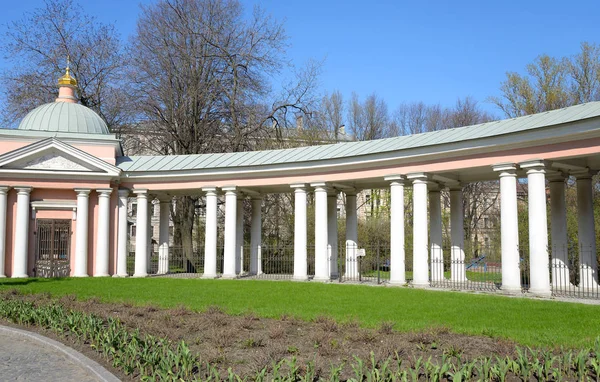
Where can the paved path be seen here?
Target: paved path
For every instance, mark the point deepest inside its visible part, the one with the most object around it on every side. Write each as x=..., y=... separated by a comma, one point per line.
x=27, y=356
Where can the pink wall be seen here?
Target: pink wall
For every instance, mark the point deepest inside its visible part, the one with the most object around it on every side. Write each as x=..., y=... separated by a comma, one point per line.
x=66, y=193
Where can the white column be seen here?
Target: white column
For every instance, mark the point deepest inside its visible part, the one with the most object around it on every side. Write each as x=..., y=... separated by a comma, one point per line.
x=141, y=236
x=81, y=234
x=149, y=246
x=230, y=232
x=300, y=235
x=163, y=235
x=397, y=243
x=558, y=226
x=352, y=270
x=321, y=242
x=435, y=233
x=22, y=233
x=256, y=237
x=588, y=268
x=539, y=267
x=239, y=237
x=332, y=233
x=103, y=233
x=509, y=228
x=3, y=199
x=457, y=233
x=123, y=228
x=420, y=268
x=210, y=237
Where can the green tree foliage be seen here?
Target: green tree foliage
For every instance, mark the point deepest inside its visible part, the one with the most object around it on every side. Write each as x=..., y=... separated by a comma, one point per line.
x=551, y=83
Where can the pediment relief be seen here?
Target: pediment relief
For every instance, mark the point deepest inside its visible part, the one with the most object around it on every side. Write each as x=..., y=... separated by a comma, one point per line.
x=51, y=161
x=51, y=155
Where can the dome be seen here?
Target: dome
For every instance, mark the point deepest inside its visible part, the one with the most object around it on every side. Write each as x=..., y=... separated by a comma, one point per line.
x=64, y=117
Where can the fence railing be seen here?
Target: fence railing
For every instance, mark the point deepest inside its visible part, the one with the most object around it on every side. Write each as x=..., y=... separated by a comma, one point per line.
x=573, y=270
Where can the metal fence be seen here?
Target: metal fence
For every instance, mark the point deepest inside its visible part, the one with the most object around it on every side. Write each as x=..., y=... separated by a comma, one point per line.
x=574, y=272
x=363, y=264
x=572, y=269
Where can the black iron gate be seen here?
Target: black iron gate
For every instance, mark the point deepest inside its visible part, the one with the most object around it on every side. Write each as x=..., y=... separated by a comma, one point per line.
x=53, y=247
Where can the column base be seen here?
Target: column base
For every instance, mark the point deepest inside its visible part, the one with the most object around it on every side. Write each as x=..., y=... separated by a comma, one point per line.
x=511, y=290
x=102, y=275
x=229, y=277
x=420, y=284
x=81, y=276
x=321, y=279
x=2, y=276
x=397, y=283
x=117, y=276
x=300, y=278
x=209, y=276
x=140, y=275
x=23, y=276
x=540, y=292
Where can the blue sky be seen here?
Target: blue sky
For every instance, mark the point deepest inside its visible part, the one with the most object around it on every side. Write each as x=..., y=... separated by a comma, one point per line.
x=405, y=51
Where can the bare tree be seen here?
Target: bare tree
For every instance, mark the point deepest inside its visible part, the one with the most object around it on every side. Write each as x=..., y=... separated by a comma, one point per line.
x=37, y=46
x=417, y=117
x=201, y=73
x=368, y=119
x=331, y=113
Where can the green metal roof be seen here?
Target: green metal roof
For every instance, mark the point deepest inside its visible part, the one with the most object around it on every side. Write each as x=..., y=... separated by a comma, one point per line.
x=353, y=149
x=64, y=117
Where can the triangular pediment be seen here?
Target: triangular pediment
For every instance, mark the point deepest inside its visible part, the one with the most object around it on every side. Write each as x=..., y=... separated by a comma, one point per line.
x=51, y=156
x=51, y=160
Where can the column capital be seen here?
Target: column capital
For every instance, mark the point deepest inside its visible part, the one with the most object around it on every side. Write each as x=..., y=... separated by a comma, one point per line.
x=584, y=174
x=454, y=187
x=141, y=192
x=124, y=192
x=419, y=177
x=434, y=187
x=104, y=191
x=299, y=185
x=395, y=179
x=257, y=197
x=4, y=189
x=505, y=169
x=230, y=190
x=558, y=177
x=210, y=190
x=320, y=186
x=79, y=191
x=533, y=166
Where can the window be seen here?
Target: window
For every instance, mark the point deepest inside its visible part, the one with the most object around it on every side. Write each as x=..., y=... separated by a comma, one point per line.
x=133, y=230
x=486, y=223
x=134, y=209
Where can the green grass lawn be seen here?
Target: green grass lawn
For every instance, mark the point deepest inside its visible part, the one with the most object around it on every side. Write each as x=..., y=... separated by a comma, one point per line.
x=526, y=321
x=492, y=277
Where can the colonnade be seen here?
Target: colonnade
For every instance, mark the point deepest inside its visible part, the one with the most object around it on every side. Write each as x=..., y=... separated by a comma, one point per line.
x=427, y=230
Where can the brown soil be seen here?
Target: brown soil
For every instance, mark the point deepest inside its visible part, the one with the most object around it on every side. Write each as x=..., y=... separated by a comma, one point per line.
x=248, y=343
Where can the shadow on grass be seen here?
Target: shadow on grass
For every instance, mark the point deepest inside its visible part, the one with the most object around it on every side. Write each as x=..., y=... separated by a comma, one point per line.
x=20, y=282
